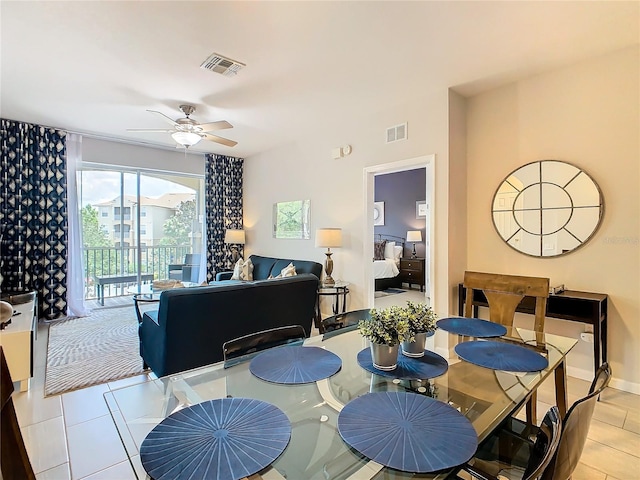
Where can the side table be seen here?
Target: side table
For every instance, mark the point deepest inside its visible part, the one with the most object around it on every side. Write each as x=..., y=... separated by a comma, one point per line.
x=338, y=291
x=144, y=298
x=412, y=271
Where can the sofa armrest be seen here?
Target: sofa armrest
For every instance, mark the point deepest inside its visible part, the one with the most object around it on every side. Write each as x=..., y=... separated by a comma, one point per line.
x=152, y=342
x=224, y=276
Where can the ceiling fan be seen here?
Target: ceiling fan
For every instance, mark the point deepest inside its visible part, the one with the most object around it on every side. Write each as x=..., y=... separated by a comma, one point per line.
x=187, y=132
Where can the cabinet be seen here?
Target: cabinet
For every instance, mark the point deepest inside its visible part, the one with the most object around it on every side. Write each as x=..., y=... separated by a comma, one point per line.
x=17, y=342
x=412, y=271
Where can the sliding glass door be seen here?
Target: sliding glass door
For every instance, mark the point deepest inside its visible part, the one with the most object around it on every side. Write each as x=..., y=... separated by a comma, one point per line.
x=135, y=223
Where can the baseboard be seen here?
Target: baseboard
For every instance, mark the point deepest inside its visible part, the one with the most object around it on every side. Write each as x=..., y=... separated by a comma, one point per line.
x=616, y=383
x=580, y=373
x=625, y=386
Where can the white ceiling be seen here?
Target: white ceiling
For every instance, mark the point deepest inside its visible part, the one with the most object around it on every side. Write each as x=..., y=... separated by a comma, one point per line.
x=97, y=66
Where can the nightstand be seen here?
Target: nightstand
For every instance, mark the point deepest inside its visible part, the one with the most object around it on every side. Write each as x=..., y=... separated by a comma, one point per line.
x=412, y=271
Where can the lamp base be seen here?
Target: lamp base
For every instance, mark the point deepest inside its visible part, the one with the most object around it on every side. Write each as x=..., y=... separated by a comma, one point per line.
x=328, y=269
x=413, y=254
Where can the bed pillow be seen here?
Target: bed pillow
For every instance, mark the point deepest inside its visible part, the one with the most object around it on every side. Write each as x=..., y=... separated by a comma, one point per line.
x=243, y=270
x=388, y=250
x=379, y=250
x=397, y=252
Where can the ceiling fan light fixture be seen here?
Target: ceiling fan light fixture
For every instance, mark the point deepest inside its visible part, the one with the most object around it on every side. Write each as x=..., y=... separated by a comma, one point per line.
x=186, y=139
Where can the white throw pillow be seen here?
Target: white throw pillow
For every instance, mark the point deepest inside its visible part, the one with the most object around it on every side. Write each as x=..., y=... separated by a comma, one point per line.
x=243, y=270
x=389, y=250
x=288, y=271
x=398, y=253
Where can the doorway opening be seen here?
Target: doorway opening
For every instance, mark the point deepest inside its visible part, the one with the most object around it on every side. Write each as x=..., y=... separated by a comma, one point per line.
x=426, y=248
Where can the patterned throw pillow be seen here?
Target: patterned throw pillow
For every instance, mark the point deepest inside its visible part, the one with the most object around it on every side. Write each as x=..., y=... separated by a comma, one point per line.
x=288, y=271
x=243, y=270
x=378, y=250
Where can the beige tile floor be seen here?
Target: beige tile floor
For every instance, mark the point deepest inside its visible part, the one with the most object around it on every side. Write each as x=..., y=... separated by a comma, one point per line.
x=72, y=436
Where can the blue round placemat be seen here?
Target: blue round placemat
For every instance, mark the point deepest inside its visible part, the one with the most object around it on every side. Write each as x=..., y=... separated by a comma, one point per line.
x=431, y=365
x=295, y=364
x=408, y=432
x=223, y=439
x=501, y=356
x=471, y=327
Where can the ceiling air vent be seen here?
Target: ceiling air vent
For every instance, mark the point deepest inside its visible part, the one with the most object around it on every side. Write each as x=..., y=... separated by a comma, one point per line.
x=222, y=65
x=396, y=133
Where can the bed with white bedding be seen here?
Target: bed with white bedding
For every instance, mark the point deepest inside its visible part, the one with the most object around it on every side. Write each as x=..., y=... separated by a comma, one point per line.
x=386, y=266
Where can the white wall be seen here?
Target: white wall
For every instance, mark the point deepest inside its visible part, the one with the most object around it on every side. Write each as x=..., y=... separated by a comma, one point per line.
x=586, y=114
x=336, y=188
x=108, y=152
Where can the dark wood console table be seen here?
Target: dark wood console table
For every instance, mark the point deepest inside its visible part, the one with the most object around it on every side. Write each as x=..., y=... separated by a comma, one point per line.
x=583, y=307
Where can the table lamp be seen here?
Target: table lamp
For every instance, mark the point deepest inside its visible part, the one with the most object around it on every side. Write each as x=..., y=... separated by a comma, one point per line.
x=234, y=237
x=414, y=236
x=328, y=237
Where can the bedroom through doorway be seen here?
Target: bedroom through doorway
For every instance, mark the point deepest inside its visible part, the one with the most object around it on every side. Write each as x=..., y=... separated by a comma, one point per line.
x=399, y=203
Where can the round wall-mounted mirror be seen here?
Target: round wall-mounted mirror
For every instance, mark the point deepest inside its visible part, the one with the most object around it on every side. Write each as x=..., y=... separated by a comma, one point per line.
x=547, y=208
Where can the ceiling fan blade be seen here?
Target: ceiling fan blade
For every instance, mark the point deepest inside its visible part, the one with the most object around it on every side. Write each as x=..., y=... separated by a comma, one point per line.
x=164, y=117
x=223, y=141
x=210, y=127
x=163, y=130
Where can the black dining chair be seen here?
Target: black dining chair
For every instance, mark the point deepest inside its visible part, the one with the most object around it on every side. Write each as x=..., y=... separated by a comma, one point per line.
x=533, y=456
x=258, y=341
x=504, y=443
x=343, y=322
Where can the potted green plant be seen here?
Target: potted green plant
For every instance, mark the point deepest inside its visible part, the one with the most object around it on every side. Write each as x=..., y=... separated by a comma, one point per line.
x=422, y=324
x=385, y=329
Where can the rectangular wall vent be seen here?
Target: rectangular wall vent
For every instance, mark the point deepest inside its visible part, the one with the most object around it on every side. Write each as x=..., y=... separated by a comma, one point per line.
x=222, y=65
x=397, y=133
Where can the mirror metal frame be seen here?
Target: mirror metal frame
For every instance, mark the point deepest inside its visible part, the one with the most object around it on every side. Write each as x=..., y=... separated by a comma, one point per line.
x=578, y=171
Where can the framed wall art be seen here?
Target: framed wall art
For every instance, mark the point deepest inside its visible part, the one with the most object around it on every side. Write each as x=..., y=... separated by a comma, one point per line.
x=378, y=213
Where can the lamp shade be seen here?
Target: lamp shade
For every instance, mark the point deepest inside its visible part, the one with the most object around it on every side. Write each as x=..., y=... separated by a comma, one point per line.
x=234, y=236
x=186, y=139
x=414, y=236
x=329, y=237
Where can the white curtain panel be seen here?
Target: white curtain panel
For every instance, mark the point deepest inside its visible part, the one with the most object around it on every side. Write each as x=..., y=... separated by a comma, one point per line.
x=75, y=269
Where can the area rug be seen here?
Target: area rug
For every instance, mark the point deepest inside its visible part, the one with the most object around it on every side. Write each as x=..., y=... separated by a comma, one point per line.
x=388, y=291
x=87, y=351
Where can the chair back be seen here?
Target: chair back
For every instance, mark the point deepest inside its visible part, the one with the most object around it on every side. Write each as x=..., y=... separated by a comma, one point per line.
x=504, y=293
x=14, y=460
x=256, y=342
x=530, y=463
x=576, y=428
x=192, y=259
x=545, y=446
x=343, y=322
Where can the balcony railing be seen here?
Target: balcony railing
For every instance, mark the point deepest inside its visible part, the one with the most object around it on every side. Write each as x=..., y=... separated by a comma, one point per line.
x=99, y=261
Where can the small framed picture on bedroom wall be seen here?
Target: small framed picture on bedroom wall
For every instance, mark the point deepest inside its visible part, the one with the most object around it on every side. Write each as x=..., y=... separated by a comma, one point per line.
x=378, y=213
x=421, y=209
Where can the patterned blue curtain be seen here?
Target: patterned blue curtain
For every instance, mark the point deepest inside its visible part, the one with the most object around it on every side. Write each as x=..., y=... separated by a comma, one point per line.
x=33, y=214
x=223, y=177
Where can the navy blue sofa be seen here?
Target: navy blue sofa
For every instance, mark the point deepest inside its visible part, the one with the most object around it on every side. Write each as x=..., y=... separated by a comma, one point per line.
x=191, y=324
x=265, y=266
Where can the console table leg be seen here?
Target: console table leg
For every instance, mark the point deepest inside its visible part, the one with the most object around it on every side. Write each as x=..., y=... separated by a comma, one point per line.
x=597, y=338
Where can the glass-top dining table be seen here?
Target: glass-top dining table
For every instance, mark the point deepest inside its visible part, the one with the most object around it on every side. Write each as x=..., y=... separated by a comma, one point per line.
x=316, y=449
